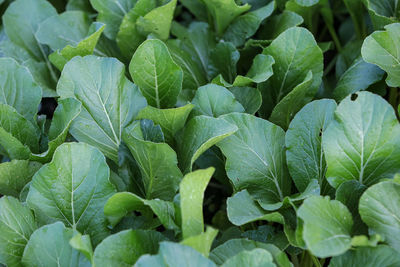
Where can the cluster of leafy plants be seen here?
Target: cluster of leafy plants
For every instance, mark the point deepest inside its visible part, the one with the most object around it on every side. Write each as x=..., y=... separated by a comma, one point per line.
x=199, y=133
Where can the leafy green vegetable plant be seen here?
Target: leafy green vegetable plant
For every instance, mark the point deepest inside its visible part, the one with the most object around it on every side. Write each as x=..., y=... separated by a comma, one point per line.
x=199, y=133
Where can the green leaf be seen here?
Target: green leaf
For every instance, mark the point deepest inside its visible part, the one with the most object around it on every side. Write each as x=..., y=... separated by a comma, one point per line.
x=14, y=175
x=67, y=110
x=157, y=163
x=246, y=25
x=255, y=159
x=197, y=40
x=287, y=108
x=158, y=77
x=171, y=120
x=259, y=72
x=85, y=47
x=327, y=226
x=120, y=204
x=201, y=133
x=17, y=223
x=362, y=142
x=202, y=242
x=307, y=3
x=349, y=193
x=214, y=100
x=111, y=13
x=73, y=188
x=223, y=59
x=18, y=136
x=197, y=8
x=148, y=131
x=125, y=247
x=232, y=247
x=68, y=28
x=109, y=101
x=382, y=12
x=128, y=37
x=191, y=192
x=296, y=53
x=158, y=21
x=173, y=254
x=83, y=244
x=257, y=258
x=381, y=48
x=249, y=97
x=224, y=12
x=21, y=21
x=18, y=89
x=53, y=239
x=359, y=76
x=193, y=75
x=242, y=209
x=379, y=208
x=305, y=157
x=277, y=24
x=368, y=257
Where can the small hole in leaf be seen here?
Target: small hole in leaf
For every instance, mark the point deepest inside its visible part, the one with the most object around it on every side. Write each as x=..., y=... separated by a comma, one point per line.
x=353, y=97
x=320, y=132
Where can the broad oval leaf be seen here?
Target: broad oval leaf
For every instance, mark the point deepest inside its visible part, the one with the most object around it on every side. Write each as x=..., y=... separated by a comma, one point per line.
x=17, y=223
x=304, y=155
x=171, y=120
x=157, y=163
x=379, y=208
x=18, y=136
x=327, y=226
x=111, y=13
x=68, y=28
x=158, y=21
x=287, y=108
x=296, y=53
x=381, y=48
x=256, y=258
x=73, y=188
x=232, y=247
x=214, y=100
x=382, y=12
x=109, y=101
x=242, y=209
x=368, y=257
x=255, y=159
x=21, y=21
x=128, y=37
x=249, y=97
x=14, y=175
x=67, y=110
x=125, y=247
x=246, y=25
x=69, y=34
x=53, y=239
x=18, y=89
x=159, y=78
x=121, y=203
x=201, y=133
x=359, y=76
x=362, y=142
x=174, y=254
x=224, y=12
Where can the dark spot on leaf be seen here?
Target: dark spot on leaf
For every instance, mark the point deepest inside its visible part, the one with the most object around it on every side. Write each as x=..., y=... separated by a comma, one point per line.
x=320, y=132
x=353, y=97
